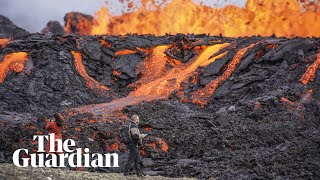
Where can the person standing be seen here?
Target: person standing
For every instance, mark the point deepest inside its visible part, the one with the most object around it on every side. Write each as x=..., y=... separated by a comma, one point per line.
x=54, y=126
x=134, y=147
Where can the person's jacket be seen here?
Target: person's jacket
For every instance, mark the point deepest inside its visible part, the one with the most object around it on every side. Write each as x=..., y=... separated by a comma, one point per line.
x=136, y=137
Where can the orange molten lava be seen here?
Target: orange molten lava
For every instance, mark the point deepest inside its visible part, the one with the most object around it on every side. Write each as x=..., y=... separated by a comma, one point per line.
x=123, y=52
x=3, y=42
x=201, y=96
x=164, y=145
x=12, y=62
x=104, y=43
x=311, y=71
x=91, y=83
x=156, y=65
x=259, y=17
x=157, y=85
x=157, y=82
x=114, y=146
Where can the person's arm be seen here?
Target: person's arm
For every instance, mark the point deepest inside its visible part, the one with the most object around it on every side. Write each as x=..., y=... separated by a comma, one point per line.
x=135, y=133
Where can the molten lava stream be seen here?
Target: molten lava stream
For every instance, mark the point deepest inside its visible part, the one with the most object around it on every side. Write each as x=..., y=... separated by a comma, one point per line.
x=201, y=96
x=104, y=43
x=124, y=52
x=159, y=85
x=3, y=42
x=12, y=62
x=154, y=66
x=162, y=87
x=90, y=82
x=311, y=71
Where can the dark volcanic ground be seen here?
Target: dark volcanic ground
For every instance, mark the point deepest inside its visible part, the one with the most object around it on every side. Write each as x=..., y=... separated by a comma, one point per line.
x=246, y=131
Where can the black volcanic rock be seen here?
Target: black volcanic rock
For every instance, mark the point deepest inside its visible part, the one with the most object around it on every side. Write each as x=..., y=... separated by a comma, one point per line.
x=54, y=27
x=10, y=30
x=260, y=123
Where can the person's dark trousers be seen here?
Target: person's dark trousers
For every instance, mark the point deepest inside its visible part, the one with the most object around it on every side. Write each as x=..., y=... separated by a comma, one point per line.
x=134, y=157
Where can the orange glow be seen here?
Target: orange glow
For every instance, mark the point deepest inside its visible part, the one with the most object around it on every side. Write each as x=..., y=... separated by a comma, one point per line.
x=83, y=25
x=296, y=108
x=164, y=145
x=104, y=43
x=101, y=20
x=201, y=96
x=148, y=129
x=116, y=73
x=3, y=42
x=286, y=101
x=154, y=65
x=91, y=83
x=152, y=145
x=114, y=146
x=282, y=18
x=311, y=71
x=12, y=62
x=155, y=84
x=123, y=52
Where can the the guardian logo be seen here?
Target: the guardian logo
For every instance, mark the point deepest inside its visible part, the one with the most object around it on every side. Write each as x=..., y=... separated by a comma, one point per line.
x=56, y=158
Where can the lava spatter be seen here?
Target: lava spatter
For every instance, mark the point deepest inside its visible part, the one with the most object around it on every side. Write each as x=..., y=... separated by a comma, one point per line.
x=283, y=18
x=12, y=62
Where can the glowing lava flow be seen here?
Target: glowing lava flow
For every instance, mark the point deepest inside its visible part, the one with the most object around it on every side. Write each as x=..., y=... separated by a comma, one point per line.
x=202, y=96
x=104, y=43
x=123, y=52
x=90, y=82
x=283, y=18
x=12, y=62
x=3, y=42
x=160, y=85
x=164, y=145
x=311, y=71
x=154, y=66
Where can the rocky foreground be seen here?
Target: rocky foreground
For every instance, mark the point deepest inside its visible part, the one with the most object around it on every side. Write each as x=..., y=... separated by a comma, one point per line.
x=11, y=172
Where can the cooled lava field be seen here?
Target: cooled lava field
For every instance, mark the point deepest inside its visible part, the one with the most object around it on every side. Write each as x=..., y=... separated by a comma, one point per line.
x=213, y=106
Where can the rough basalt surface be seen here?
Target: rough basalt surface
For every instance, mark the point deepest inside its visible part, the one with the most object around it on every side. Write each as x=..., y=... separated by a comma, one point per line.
x=9, y=30
x=246, y=130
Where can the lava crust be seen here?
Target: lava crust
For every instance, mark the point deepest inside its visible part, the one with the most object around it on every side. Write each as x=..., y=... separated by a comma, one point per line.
x=228, y=108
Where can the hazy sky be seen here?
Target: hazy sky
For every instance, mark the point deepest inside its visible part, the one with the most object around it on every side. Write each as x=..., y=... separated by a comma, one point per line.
x=33, y=15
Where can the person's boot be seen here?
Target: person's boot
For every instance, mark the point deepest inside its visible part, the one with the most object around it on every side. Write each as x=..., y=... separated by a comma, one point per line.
x=140, y=174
